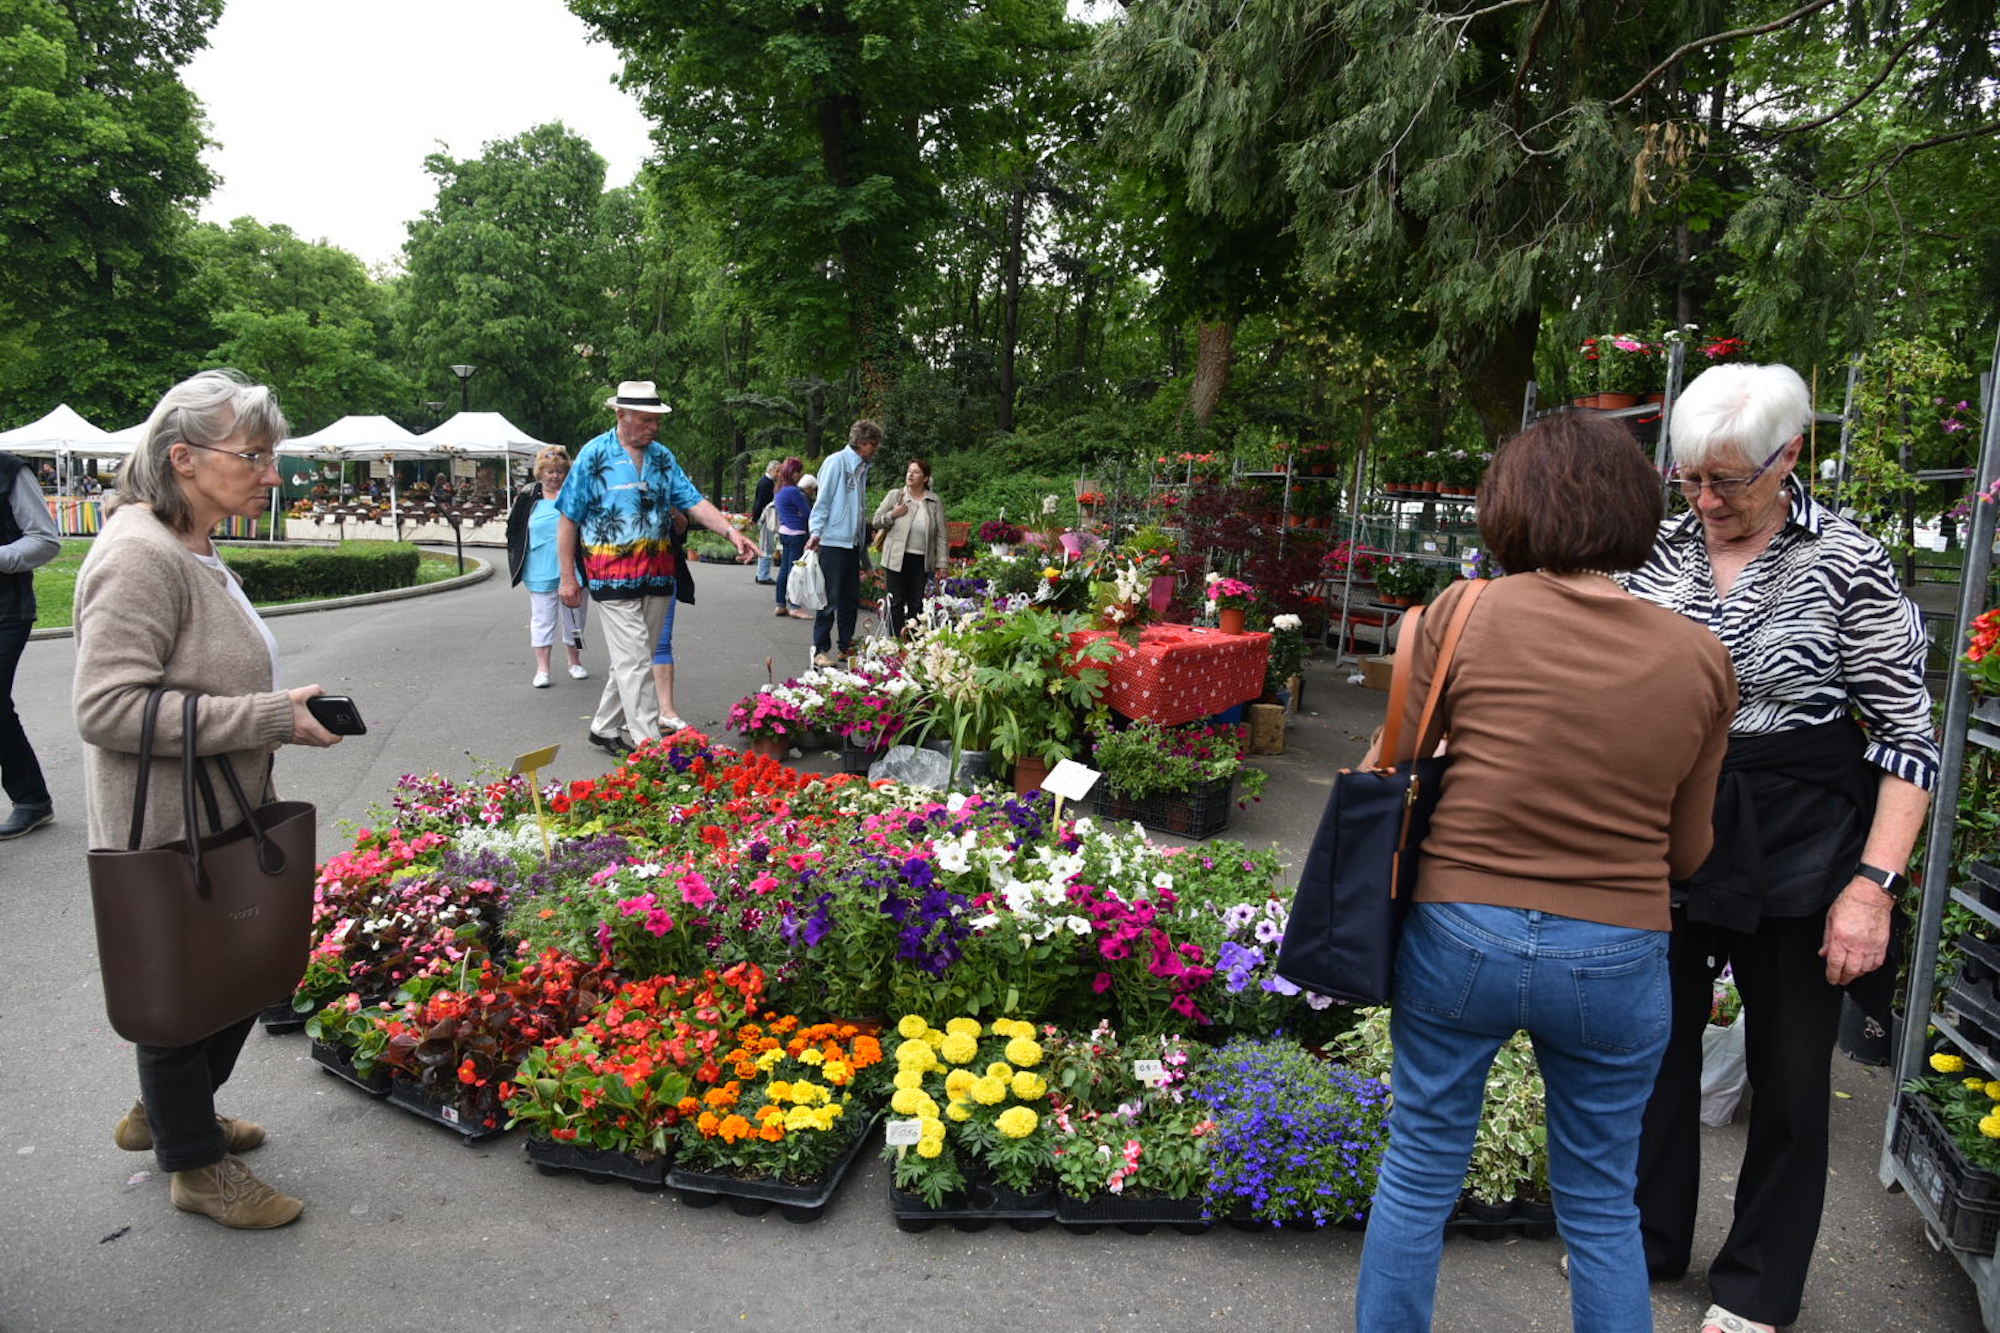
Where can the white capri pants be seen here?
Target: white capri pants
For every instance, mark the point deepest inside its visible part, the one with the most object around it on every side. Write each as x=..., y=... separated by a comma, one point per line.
x=549, y=619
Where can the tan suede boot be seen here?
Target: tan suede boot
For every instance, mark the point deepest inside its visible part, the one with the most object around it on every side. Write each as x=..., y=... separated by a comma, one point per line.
x=135, y=1133
x=229, y=1193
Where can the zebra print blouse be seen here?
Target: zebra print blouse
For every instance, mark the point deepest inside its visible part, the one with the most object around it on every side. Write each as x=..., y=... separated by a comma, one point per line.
x=1816, y=625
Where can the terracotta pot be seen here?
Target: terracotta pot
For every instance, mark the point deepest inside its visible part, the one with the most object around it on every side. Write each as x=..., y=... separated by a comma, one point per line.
x=1295, y=521
x=1231, y=619
x=771, y=747
x=1029, y=774
x=1607, y=402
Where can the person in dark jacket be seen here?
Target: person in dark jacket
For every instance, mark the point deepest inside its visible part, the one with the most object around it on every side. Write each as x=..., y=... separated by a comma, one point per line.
x=1815, y=819
x=767, y=532
x=28, y=540
x=532, y=559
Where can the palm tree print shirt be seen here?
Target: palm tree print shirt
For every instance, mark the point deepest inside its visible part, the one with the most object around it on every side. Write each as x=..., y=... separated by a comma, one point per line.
x=622, y=517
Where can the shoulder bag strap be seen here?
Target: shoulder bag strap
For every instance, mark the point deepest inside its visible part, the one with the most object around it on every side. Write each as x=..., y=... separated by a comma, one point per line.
x=147, y=725
x=1426, y=740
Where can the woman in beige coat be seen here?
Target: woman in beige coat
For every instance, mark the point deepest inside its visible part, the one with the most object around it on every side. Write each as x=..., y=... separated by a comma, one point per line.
x=155, y=606
x=914, y=545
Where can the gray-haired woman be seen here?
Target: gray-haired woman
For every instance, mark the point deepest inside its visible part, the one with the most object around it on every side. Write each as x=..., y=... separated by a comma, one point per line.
x=155, y=606
x=1815, y=817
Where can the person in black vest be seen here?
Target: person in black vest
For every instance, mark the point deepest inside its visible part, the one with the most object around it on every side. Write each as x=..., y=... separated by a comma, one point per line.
x=28, y=540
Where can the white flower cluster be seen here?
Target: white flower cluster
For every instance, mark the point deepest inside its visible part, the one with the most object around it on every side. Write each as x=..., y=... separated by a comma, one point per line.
x=1287, y=621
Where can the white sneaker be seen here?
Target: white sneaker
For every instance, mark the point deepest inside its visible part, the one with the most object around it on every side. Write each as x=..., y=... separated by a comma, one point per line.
x=578, y=671
x=541, y=681
x=670, y=723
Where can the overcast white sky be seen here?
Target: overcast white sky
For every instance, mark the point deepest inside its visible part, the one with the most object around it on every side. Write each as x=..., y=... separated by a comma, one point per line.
x=323, y=113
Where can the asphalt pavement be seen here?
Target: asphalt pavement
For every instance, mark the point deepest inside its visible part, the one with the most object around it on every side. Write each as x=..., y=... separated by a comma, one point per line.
x=406, y=1229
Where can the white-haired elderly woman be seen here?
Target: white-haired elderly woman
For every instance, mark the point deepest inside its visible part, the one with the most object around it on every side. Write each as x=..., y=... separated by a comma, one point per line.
x=533, y=559
x=1816, y=815
x=155, y=606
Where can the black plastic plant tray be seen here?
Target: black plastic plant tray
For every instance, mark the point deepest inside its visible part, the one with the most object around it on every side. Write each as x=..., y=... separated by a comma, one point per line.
x=600, y=1166
x=977, y=1209
x=752, y=1198
x=279, y=1019
x=412, y=1098
x=1199, y=812
x=1135, y=1213
x=335, y=1062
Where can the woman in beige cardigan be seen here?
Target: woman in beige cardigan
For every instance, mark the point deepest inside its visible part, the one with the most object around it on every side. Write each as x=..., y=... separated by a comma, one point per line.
x=914, y=545
x=155, y=606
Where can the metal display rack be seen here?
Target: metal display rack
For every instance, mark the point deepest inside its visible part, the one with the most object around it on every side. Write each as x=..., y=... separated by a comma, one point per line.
x=1903, y=1163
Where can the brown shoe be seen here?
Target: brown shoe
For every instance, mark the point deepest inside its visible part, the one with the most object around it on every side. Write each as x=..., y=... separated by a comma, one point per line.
x=229, y=1193
x=135, y=1132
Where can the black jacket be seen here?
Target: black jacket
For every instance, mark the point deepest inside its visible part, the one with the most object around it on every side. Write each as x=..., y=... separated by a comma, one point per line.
x=767, y=488
x=17, y=591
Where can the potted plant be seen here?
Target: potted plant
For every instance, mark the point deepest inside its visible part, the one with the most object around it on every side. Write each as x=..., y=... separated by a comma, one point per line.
x=1403, y=582
x=1229, y=600
x=787, y=1116
x=1619, y=367
x=1176, y=779
x=980, y=1106
x=1129, y=1151
x=999, y=534
x=1040, y=691
x=1152, y=549
x=770, y=721
x=1314, y=1161
x=1507, y=1178
x=1982, y=664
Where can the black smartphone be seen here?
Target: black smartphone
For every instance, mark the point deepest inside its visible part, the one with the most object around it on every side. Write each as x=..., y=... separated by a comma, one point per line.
x=337, y=713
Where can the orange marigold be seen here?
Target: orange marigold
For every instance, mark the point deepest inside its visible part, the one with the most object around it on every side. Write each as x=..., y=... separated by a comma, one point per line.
x=733, y=1128
x=772, y=1131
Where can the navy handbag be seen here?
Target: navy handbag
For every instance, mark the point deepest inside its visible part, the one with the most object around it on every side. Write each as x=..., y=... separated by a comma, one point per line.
x=1347, y=913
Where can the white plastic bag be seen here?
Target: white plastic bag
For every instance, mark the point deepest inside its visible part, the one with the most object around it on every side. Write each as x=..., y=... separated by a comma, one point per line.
x=1723, y=1072
x=806, y=589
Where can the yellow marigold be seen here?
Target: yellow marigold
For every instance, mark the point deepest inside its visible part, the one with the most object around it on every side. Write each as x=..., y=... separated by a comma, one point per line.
x=1946, y=1063
x=989, y=1091
x=958, y=1084
x=1002, y=1027
x=779, y=1091
x=770, y=1058
x=934, y=1037
x=909, y=1078
x=1024, y=1051
x=916, y=1054
x=807, y=1093
x=1976, y=1084
x=930, y=1127
x=1017, y=1122
x=837, y=1071
x=908, y=1101
x=1993, y=1091
x=911, y=1025
x=968, y=1026
x=959, y=1112
x=929, y=1147
x=769, y=1112
x=958, y=1048
x=800, y=1118
x=1990, y=1126
x=828, y=1114
x=1000, y=1069
x=1028, y=1085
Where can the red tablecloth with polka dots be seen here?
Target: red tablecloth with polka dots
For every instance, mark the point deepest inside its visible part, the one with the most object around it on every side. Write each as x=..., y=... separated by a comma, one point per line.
x=1178, y=673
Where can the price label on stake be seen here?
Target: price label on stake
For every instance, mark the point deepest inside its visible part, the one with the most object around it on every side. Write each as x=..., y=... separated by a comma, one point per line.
x=1150, y=1072
x=903, y=1133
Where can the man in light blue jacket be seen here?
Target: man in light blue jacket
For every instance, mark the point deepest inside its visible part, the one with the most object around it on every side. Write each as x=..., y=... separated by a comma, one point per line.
x=838, y=531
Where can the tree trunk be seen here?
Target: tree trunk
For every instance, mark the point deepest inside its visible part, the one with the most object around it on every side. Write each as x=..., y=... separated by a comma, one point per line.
x=1010, y=303
x=1215, y=345
x=1501, y=373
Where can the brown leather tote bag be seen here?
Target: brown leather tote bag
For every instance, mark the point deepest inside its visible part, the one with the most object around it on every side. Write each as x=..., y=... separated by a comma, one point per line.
x=199, y=933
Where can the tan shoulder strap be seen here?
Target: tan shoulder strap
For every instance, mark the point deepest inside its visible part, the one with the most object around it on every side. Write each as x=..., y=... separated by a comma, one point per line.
x=1399, y=683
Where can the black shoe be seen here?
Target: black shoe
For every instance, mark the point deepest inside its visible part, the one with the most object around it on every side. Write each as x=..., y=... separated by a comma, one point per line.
x=615, y=744
x=26, y=819
x=768, y=583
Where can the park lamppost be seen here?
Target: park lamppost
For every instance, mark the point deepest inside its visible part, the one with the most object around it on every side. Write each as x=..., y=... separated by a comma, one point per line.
x=465, y=374
x=436, y=410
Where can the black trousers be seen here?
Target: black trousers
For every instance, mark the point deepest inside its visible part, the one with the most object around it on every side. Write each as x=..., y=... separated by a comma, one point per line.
x=20, y=772
x=1791, y=1015
x=840, y=566
x=906, y=591
x=178, y=1084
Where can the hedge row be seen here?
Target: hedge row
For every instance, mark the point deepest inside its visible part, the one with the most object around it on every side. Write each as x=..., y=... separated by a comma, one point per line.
x=293, y=573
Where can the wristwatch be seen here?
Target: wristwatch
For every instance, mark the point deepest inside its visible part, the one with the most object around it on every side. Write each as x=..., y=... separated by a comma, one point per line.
x=1892, y=883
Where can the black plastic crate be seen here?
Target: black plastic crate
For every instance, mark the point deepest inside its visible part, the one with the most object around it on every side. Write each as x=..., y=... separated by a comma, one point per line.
x=1977, y=1009
x=333, y=1059
x=1135, y=1213
x=752, y=1198
x=598, y=1165
x=412, y=1097
x=1199, y=812
x=1965, y=1198
x=1982, y=959
x=975, y=1208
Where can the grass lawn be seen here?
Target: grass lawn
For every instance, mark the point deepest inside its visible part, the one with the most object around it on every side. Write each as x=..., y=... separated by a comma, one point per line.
x=55, y=582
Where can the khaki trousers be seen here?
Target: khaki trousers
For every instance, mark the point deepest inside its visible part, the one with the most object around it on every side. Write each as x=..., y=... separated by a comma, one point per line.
x=629, y=706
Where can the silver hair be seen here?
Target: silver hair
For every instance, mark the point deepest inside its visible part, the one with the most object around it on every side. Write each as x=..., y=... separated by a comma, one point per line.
x=1751, y=410
x=204, y=409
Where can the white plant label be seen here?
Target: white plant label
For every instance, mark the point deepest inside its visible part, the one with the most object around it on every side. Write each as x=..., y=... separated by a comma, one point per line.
x=1070, y=780
x=1150, y=1072
x=904, y=1133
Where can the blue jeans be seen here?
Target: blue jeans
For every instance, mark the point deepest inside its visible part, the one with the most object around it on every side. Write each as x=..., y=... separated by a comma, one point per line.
x=1594, y=1000
x=790, y=548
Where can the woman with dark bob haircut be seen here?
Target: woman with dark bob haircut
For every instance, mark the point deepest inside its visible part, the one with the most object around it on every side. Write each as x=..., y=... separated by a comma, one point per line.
x=1587, y=728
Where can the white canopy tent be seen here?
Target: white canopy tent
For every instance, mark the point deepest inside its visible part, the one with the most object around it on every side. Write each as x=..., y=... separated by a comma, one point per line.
x=486, y=435
x=361, y=439
x=60, y=433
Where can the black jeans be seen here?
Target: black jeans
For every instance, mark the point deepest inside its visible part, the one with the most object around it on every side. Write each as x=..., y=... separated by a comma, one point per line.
x=906, y=591
x=840, y=566
x=1792, y=1014
x=178, y=1084
x=20, y=772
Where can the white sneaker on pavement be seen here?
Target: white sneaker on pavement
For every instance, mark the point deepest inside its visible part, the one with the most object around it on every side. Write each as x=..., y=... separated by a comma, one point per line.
x=541, y=681
x=578, y=671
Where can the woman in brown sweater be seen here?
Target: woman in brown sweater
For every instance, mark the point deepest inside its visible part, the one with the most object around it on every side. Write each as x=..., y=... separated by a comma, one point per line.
x=155, y=606
x=1587, y=728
